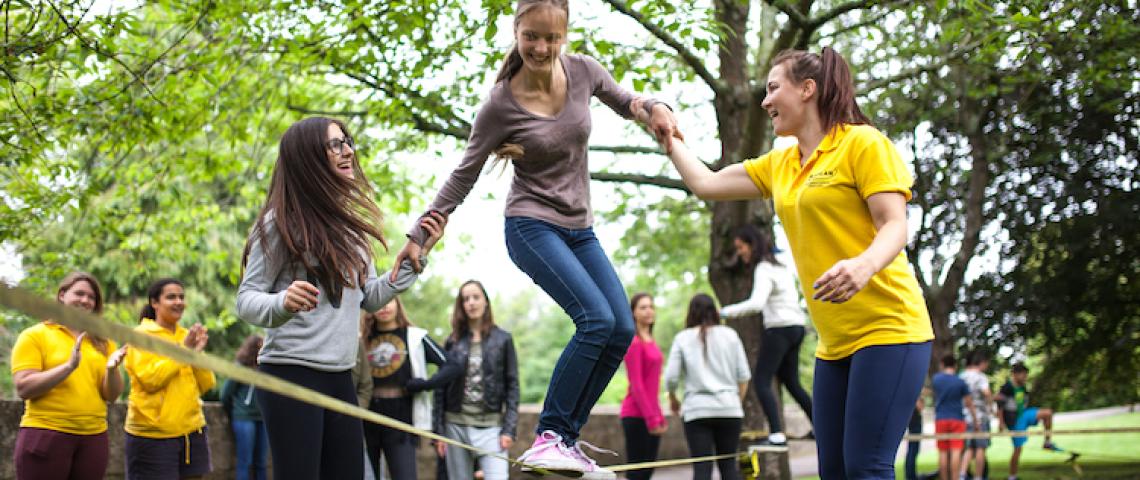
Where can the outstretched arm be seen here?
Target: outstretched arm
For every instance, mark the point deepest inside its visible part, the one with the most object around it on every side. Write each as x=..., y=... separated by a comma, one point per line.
x=729, y=183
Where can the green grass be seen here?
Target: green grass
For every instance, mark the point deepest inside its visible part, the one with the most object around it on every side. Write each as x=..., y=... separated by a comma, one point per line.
x=1108, y=456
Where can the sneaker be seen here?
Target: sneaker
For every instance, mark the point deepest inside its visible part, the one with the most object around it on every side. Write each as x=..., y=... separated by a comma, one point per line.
x=592, y=470
x=1048, y=445
x=549, y=453
x=777, y=439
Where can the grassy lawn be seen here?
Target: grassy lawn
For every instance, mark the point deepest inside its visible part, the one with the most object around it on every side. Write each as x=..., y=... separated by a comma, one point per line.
x=1110, y=456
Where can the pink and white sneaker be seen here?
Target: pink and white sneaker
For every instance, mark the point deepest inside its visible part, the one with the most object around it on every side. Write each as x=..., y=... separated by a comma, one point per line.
x=592, y=470
x=549, y=453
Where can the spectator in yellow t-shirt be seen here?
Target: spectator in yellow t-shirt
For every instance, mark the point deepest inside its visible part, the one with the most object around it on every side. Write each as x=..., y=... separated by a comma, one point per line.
x=166, y=430
x=841, y=196
x=66, y=377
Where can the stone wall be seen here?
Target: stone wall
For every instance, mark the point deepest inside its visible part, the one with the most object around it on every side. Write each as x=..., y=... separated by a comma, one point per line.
x=604, y=430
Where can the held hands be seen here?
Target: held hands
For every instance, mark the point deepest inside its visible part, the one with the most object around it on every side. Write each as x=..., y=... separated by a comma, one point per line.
x=116, y=358
x=301, y=296
x=661, y=122
x=843, y=280
x=196, y=338
x=434, y=223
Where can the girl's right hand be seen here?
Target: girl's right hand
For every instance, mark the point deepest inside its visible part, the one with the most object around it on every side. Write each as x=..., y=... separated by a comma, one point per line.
x=659, y=430
x=411, y=251
x=301, y=296
x=441, y=449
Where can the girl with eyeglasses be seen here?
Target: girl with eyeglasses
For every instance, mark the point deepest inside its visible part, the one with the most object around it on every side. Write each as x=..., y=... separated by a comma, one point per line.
x=308, y=271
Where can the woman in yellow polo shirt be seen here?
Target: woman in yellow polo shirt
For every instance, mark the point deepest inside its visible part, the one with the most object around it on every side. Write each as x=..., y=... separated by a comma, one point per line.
x=166, y=430
x=841, y=195
x=66, y=378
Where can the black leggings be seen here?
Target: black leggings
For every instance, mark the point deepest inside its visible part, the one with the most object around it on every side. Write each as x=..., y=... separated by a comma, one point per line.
x=309, y=442
x=780, y=356
x=399, y=448
x=640, y=446
x=714, y=436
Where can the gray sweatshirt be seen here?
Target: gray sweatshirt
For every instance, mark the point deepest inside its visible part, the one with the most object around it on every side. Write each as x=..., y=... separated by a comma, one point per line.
x=551, y=181
x=325, y=338
x=774, y=294
x=712, y=381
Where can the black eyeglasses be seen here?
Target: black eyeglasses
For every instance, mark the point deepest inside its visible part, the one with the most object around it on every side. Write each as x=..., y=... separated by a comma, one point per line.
x=336, y=145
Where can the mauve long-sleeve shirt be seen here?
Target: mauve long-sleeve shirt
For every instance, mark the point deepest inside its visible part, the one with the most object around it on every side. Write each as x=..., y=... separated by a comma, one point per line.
x=551, y=180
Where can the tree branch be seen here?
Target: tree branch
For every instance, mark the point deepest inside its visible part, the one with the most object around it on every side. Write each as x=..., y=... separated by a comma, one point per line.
x=310, y=111
x=797, y=17
x=687, y=55
x=839, y=10
x=637, y=179
x=914, y=72
x=625, y=149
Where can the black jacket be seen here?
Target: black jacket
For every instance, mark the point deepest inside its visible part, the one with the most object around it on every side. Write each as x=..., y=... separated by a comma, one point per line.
x=501, y=384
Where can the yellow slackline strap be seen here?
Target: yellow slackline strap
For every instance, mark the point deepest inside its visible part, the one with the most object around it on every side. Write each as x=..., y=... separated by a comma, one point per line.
x=36, y=307
x=1023, y=433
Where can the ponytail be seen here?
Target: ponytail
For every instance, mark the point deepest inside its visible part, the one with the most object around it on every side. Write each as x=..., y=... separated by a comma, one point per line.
x=511, y=64
x=153, y=292
x=835, y=87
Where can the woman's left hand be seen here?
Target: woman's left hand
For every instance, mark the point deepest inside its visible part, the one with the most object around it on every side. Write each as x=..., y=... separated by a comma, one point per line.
x=506, y=441
x=843, y=280
x=116, y=358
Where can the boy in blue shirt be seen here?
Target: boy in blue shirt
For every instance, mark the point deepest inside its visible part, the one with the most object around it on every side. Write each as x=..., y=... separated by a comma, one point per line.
x=950, y=393
x=1018, y=416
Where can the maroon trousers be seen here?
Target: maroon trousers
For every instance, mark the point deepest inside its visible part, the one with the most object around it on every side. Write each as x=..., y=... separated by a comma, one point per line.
x=43, y=454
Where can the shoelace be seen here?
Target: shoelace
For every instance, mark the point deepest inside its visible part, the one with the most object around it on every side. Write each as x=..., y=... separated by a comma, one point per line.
x=556, y=442
x=582, y=455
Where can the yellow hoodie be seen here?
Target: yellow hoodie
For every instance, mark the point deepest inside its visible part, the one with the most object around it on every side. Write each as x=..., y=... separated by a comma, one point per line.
x=164, y=400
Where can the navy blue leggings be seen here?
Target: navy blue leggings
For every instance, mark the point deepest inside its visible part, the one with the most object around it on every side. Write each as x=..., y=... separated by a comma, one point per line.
x=861, y=407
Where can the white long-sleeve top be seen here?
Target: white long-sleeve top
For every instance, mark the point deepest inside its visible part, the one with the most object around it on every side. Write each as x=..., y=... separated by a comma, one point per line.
x=774, y=294
x=712, y=373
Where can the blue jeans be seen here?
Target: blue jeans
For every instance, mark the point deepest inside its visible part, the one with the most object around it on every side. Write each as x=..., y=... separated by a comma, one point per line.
x=861, y=407
x=570, y=266
x=252, y=444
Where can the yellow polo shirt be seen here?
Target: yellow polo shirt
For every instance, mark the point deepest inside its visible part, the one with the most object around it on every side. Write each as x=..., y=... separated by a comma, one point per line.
x=164, y=400
x=823, y=208
x=75, y=405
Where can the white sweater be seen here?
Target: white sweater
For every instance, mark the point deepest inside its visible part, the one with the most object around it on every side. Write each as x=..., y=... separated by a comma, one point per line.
x=774, y=294
x=712, y=376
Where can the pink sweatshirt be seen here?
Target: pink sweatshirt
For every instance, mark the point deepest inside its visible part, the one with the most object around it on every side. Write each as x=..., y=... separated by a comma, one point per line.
x=643, y=365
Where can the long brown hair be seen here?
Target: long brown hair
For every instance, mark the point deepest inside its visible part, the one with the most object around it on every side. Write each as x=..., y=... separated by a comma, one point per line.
x=69, y=281
x=702, y=314
x=461, y=324
x=318, y=213
x=514, y=61
x=247, y=352
x=368, y=329
x=835, y=88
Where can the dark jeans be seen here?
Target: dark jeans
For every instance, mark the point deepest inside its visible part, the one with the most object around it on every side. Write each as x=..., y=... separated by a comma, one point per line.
x=915, y=427
x=309, y=442
x=640, y=446
x=780, y=357
x=251, y=446
x=571, y=267
x=878, y=386
x=714, y=436
x=398, y=448
x=47, y=454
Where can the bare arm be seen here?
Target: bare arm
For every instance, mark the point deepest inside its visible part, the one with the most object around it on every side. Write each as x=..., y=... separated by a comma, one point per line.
x=729, y=183
x=32, y=384
x=112, y=385
x=847, y=277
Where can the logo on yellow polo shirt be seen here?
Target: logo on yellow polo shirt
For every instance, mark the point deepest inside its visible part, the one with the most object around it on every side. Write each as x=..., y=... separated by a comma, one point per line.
x=821, y=178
